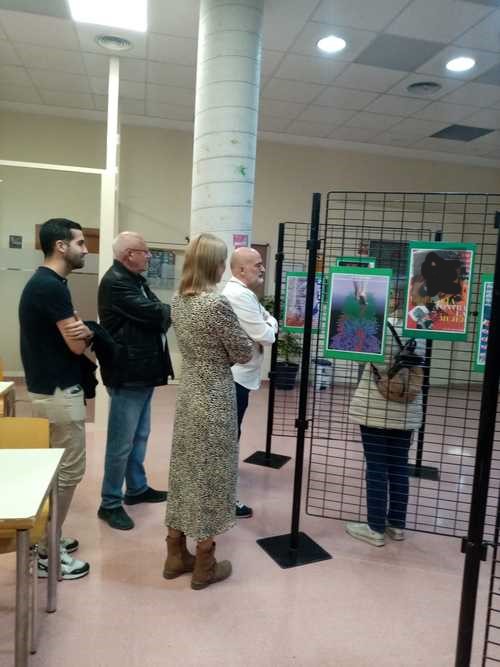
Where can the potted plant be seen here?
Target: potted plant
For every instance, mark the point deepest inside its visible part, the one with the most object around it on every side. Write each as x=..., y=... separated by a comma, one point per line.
x=289, y=351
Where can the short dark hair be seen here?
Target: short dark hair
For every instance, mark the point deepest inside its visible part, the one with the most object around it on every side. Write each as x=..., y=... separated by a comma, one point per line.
x=56, y=229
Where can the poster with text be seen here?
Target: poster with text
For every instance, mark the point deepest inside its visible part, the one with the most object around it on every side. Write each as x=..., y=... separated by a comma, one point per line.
x=358, y=300
x=438, y=290
x=295, y=302
x=483, y=327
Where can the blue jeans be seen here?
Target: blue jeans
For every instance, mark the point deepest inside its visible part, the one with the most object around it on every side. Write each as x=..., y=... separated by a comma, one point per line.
x=129, y=425
x=242, y=395
x=386, y=453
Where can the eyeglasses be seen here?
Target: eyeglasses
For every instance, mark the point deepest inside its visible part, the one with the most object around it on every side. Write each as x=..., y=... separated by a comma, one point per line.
x=147, y=252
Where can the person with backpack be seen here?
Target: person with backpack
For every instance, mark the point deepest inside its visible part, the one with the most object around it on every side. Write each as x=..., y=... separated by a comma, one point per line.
x=387, y=405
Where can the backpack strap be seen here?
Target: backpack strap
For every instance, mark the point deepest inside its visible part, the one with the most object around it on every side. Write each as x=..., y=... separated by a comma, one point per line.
x=395, y=335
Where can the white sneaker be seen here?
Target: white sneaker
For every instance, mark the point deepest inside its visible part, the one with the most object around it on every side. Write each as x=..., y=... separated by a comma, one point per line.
x=397, y=534
x=71, y=568
x=70, y=544
x=362, y=531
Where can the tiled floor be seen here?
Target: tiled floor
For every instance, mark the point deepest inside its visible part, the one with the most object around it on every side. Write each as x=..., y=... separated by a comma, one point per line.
x=367, y=607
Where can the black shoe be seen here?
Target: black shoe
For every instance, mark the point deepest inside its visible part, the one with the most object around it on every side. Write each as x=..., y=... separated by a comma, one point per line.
x=148, y=496
x=243, y=511
x=116, y=517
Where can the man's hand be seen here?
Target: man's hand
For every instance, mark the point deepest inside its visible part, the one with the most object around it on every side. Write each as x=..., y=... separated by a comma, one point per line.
x=77, y=330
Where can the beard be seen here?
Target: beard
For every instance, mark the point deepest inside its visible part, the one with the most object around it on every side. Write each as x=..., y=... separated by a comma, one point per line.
x=76, y=262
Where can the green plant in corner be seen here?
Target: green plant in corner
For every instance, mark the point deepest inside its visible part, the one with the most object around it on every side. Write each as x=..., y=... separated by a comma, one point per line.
x=289, y=347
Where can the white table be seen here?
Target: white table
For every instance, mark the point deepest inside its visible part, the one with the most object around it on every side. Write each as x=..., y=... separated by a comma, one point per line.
x=8, y=399
x=27, y=476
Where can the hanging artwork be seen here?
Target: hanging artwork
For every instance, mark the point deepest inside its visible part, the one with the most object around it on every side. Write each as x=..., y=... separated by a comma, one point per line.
x=368, y=262
x=438, y=290
x=160, y=272
x=295, y=301
x=483, y=328
x=357, y=305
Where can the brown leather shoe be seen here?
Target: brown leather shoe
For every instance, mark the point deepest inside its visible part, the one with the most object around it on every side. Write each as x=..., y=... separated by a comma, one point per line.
x=207, y=570
x=179, y=560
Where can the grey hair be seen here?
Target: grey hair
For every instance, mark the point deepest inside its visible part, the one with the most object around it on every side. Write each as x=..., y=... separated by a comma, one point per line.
x=122, y=242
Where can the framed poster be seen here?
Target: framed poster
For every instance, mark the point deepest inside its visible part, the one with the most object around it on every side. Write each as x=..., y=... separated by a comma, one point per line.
x=358, y=301
x=438, y=290
x=485, y=301
x=160, y=273
x=368, y=262
x=295, y=302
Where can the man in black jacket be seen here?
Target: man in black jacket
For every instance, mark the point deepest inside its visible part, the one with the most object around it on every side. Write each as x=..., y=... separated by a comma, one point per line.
x=138, y=321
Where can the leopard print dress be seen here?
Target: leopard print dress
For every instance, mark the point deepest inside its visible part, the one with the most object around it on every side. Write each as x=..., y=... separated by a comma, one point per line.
x=204, y=458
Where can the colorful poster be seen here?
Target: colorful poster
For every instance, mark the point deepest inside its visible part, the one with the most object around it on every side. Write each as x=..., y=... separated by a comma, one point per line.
x=240, y=240
x=368, y=262
x=295, y=302
x=438, y=290
x=483, y=328
x=357, y=304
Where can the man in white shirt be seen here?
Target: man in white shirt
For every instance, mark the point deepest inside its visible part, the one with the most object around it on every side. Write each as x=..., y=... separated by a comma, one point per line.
x=247, y=274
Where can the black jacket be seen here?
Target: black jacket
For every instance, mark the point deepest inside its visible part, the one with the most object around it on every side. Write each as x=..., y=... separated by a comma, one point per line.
x=138, y=321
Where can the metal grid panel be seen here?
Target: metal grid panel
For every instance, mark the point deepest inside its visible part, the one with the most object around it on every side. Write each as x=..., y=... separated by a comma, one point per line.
x=492, y=638
x=363, y=223
x=295, y=258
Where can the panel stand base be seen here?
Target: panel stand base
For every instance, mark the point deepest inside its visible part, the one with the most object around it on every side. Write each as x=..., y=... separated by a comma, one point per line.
x=278, y=548
x=269, y=461
x=424, y=472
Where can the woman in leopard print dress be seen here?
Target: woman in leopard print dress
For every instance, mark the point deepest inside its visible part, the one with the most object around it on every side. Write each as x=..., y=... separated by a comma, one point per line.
x=204, y=459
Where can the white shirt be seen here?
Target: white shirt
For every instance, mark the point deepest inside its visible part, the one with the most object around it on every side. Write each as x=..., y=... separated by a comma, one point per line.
x=258, y=324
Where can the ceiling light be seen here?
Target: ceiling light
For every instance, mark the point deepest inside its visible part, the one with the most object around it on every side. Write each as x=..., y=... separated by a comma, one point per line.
x=462, y=64
x=113, y=43
x=331, y=44
x=126, y=14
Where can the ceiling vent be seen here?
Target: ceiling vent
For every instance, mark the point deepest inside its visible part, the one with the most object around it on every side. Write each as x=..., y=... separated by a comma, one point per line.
x=461, y=133
x=424, y=88
x=113, y=43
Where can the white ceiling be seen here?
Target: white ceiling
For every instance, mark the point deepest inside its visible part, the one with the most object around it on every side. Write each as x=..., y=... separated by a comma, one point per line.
x=49, y=64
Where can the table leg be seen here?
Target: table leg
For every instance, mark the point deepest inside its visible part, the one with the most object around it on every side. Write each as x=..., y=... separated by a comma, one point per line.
x=53, y=552
x=22, y=597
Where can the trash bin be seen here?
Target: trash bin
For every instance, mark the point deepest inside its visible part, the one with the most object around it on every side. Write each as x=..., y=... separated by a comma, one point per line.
x=323, y=374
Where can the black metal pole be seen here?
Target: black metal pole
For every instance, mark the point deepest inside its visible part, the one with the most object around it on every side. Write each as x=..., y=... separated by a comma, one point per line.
x=266, y=458
x=302, y=422
x=473, y=546
x=274, y=351
x=294, y=548
x=418, y=470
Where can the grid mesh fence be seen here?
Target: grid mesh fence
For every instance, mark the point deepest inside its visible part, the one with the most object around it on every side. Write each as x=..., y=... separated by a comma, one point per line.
x=380, y=225
x=286, y=400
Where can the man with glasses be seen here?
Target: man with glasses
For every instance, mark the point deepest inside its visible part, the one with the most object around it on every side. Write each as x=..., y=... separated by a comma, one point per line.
x=138, y=322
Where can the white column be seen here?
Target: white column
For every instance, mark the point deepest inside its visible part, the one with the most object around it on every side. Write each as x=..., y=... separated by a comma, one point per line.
x=108, y=228
x=225, y=127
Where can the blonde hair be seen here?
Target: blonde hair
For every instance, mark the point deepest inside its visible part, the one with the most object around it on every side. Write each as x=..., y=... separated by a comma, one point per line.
x=204, y=254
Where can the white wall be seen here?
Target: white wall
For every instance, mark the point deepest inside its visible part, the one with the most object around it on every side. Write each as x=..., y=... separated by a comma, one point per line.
x=155, y=187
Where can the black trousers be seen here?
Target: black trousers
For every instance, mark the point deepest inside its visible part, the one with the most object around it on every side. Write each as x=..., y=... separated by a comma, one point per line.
x=242, y=394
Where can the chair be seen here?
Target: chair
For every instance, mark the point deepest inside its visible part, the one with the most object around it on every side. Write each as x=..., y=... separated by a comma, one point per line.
x=26, y=433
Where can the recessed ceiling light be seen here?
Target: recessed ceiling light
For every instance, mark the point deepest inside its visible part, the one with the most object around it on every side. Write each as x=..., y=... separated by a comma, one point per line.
x=462, y=64
x=331, y=44
x=126, y=14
